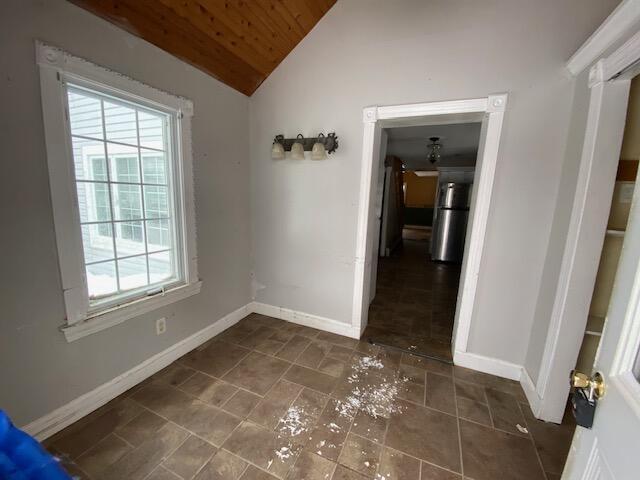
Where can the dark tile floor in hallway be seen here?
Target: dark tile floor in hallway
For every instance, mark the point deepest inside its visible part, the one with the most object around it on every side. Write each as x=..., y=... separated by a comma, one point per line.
x=269, y=399
x=415, y=302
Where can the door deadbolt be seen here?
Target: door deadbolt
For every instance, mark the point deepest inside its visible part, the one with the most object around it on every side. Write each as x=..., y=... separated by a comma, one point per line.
x=594, y=385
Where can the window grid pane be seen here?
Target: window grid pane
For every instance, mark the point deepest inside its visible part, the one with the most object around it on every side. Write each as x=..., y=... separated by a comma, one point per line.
x=123, y=194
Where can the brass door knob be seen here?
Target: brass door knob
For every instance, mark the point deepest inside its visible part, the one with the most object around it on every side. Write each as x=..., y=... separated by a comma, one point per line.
x=594, y=384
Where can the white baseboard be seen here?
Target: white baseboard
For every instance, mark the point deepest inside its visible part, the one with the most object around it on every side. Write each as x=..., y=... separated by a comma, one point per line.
x=307, y=319
x=64, y=416
x=529, y=387
x=493, y=366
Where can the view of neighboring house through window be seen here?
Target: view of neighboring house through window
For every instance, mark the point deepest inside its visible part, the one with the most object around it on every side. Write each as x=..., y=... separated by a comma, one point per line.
x=123, y=177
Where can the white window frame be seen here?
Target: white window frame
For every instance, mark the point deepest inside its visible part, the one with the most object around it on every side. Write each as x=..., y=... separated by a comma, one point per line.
x=56, y=68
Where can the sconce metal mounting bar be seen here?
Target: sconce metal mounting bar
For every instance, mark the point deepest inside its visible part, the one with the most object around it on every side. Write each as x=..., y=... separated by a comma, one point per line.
x=330, y=142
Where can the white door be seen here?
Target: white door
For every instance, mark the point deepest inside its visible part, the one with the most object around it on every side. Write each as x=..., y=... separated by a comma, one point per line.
x=377, y=212
x=610, y=449
x=386, y=207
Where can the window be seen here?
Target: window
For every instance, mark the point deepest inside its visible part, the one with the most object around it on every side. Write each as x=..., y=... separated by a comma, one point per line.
x=120, y=167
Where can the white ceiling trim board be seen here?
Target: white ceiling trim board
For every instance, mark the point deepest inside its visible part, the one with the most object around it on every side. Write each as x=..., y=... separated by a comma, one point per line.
x=612, y=29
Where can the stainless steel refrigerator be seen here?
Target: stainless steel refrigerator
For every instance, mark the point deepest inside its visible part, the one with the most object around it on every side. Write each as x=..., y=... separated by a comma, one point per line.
x=450, y=225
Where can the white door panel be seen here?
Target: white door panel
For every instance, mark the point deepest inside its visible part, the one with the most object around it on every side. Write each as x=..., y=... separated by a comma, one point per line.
x=380, y=146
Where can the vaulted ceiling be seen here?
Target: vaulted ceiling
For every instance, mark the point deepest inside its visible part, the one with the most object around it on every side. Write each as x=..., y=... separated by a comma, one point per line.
x=239, y=42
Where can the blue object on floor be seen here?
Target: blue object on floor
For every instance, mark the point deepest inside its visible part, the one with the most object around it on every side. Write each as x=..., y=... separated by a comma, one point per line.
x=23, y=458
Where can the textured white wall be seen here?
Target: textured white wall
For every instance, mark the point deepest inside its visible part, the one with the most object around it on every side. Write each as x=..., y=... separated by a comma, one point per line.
x=559, y=229
x=39, y=370
x=367, y=52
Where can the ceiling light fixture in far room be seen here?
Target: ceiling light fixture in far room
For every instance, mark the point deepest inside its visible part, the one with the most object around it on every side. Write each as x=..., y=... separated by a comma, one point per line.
x=434, y=149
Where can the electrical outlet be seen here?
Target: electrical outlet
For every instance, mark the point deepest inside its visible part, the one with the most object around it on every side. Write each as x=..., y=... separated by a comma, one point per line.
x=161, y=326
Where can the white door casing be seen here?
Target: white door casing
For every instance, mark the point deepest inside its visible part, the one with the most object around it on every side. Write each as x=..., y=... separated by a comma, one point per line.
x=488, y=109
x=377, y=214
x=364, y=240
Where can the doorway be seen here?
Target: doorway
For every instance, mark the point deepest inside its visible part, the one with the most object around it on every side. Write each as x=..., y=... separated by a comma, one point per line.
x=428, y=176
x=489, y=113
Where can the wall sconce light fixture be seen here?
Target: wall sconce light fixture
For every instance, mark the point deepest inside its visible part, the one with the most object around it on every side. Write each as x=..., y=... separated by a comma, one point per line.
x=319, y=146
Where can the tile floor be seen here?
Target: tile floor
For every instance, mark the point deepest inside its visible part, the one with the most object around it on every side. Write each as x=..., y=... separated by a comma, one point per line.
x=415, y=302
x=270, y=399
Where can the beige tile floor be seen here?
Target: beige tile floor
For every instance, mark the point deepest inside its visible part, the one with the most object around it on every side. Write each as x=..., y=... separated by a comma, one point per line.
x=269, y=399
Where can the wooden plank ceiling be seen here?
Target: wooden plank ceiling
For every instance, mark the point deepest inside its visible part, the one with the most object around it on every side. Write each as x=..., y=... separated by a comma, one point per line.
x=239, y=42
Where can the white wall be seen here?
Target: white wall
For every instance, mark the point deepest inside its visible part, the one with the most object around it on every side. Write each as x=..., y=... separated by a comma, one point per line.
x=367, y=52
x=39, y=370
x=559, y=229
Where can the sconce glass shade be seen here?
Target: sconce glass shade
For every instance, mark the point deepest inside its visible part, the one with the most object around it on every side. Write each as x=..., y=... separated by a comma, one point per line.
x=297, y=149
x=318, y=152
x=277, y=151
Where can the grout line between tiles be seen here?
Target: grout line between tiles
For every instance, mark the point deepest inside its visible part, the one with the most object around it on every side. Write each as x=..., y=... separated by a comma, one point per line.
x=189, y=377
x=344, y=442
x=455, y=401
x=333, y=470
x=533, y=442
x=245, y=468
x=383, y=446
x=180, y=426
x=426, y=381
x=205, y=463
x=171, y=452
x=408, y=455
x=249, y=462
x=122, y=438
x=162, y=467
x=486, y=399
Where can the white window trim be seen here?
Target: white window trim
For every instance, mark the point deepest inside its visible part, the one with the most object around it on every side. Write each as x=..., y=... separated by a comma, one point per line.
x=56, y=65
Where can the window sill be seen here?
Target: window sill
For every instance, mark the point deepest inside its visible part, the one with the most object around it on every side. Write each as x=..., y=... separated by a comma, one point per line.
x=128, y=311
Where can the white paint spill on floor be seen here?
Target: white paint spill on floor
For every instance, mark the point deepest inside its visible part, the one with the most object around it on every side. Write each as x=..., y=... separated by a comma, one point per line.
x=294, y=422
x=373, y=393
x=283, y=453
x=366, y=363
x=333, y=427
